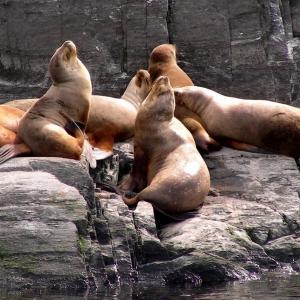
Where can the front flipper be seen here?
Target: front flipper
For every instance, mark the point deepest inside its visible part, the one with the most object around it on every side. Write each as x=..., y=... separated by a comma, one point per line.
x=12, y=150
x=137, y=179
x=204, y=142
x=100, y=154
x=103, y=146
x=88, y=154
x=243, y=146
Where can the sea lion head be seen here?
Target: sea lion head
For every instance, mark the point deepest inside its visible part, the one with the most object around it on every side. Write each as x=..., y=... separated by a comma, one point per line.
x=142, y=83
x=138, y=88
x=160, y=101
x=65, y=66
x=183, y=93
x=165, y=53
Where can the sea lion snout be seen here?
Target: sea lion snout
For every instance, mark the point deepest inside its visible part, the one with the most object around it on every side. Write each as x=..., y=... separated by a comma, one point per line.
x=163, y=80
x=69, y=49
x=162, y=85
x=69, y=44
x=178, y=93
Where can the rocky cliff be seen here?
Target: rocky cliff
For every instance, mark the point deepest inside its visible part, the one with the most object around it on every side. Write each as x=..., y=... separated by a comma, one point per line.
x=59, y=232
x=244, y=48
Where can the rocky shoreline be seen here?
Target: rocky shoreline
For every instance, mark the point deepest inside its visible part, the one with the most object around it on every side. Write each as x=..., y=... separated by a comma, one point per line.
x=59, y=231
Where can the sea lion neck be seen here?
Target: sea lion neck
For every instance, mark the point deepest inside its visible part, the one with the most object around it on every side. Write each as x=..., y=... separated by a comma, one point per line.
x=132, y=97
x=132, y=94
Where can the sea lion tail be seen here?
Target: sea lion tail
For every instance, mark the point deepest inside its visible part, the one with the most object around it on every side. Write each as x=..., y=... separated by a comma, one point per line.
x=12, y=150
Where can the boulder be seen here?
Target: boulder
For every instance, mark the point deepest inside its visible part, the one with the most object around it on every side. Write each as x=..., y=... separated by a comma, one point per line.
x=43, y=224
x=59, y=231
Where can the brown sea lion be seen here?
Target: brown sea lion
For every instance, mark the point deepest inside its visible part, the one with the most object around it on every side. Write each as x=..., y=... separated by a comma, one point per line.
x=245, y=124
x=110, y=119
x=163, y=61
x=54, y=125
x=168, y=171
x=9, y=122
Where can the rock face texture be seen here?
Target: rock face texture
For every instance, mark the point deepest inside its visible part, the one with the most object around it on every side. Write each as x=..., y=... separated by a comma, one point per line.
x=44, y=223
x=59, y=231
x=243, y=48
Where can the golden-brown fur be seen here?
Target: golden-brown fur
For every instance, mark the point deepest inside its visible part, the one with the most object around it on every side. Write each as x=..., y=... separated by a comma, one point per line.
x=54, y=125
x=247, y=124
x=168, y=171
x=163, y=61
x=110, y=119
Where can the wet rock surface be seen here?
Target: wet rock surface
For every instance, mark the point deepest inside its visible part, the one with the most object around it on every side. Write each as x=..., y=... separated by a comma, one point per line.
x=60, y=231
x=243, y=48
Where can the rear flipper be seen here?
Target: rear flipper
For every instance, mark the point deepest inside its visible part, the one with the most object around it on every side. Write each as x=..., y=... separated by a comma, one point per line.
x=131, y=202
x=100, y=154
x=205, y=143
x=102, y=145
x=91, y=154
x=192, y=122
x=12, y=150
x=213, y=192
x=244, y=147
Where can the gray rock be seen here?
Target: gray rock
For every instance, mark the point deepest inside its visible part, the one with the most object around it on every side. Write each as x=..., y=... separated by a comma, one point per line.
x=243, y=48
x=43, y=227
x=51, y=238
x=234, y=235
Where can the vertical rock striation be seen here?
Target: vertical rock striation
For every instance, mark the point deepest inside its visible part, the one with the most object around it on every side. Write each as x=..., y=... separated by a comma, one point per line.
x=244, y=48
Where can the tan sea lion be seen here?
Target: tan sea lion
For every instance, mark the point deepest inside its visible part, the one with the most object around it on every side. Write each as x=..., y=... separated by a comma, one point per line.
x=245, y=124
x=110, y=119
x=54, y=125
x=9, y=122
x=168, y=171
x=163, y=61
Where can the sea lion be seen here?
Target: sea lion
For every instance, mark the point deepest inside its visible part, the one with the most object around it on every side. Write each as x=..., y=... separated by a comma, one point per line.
x=9, y=122
x=163, y=61
x=54, y=125
x=110, y=119
x=245, y=124
x=167, y=171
